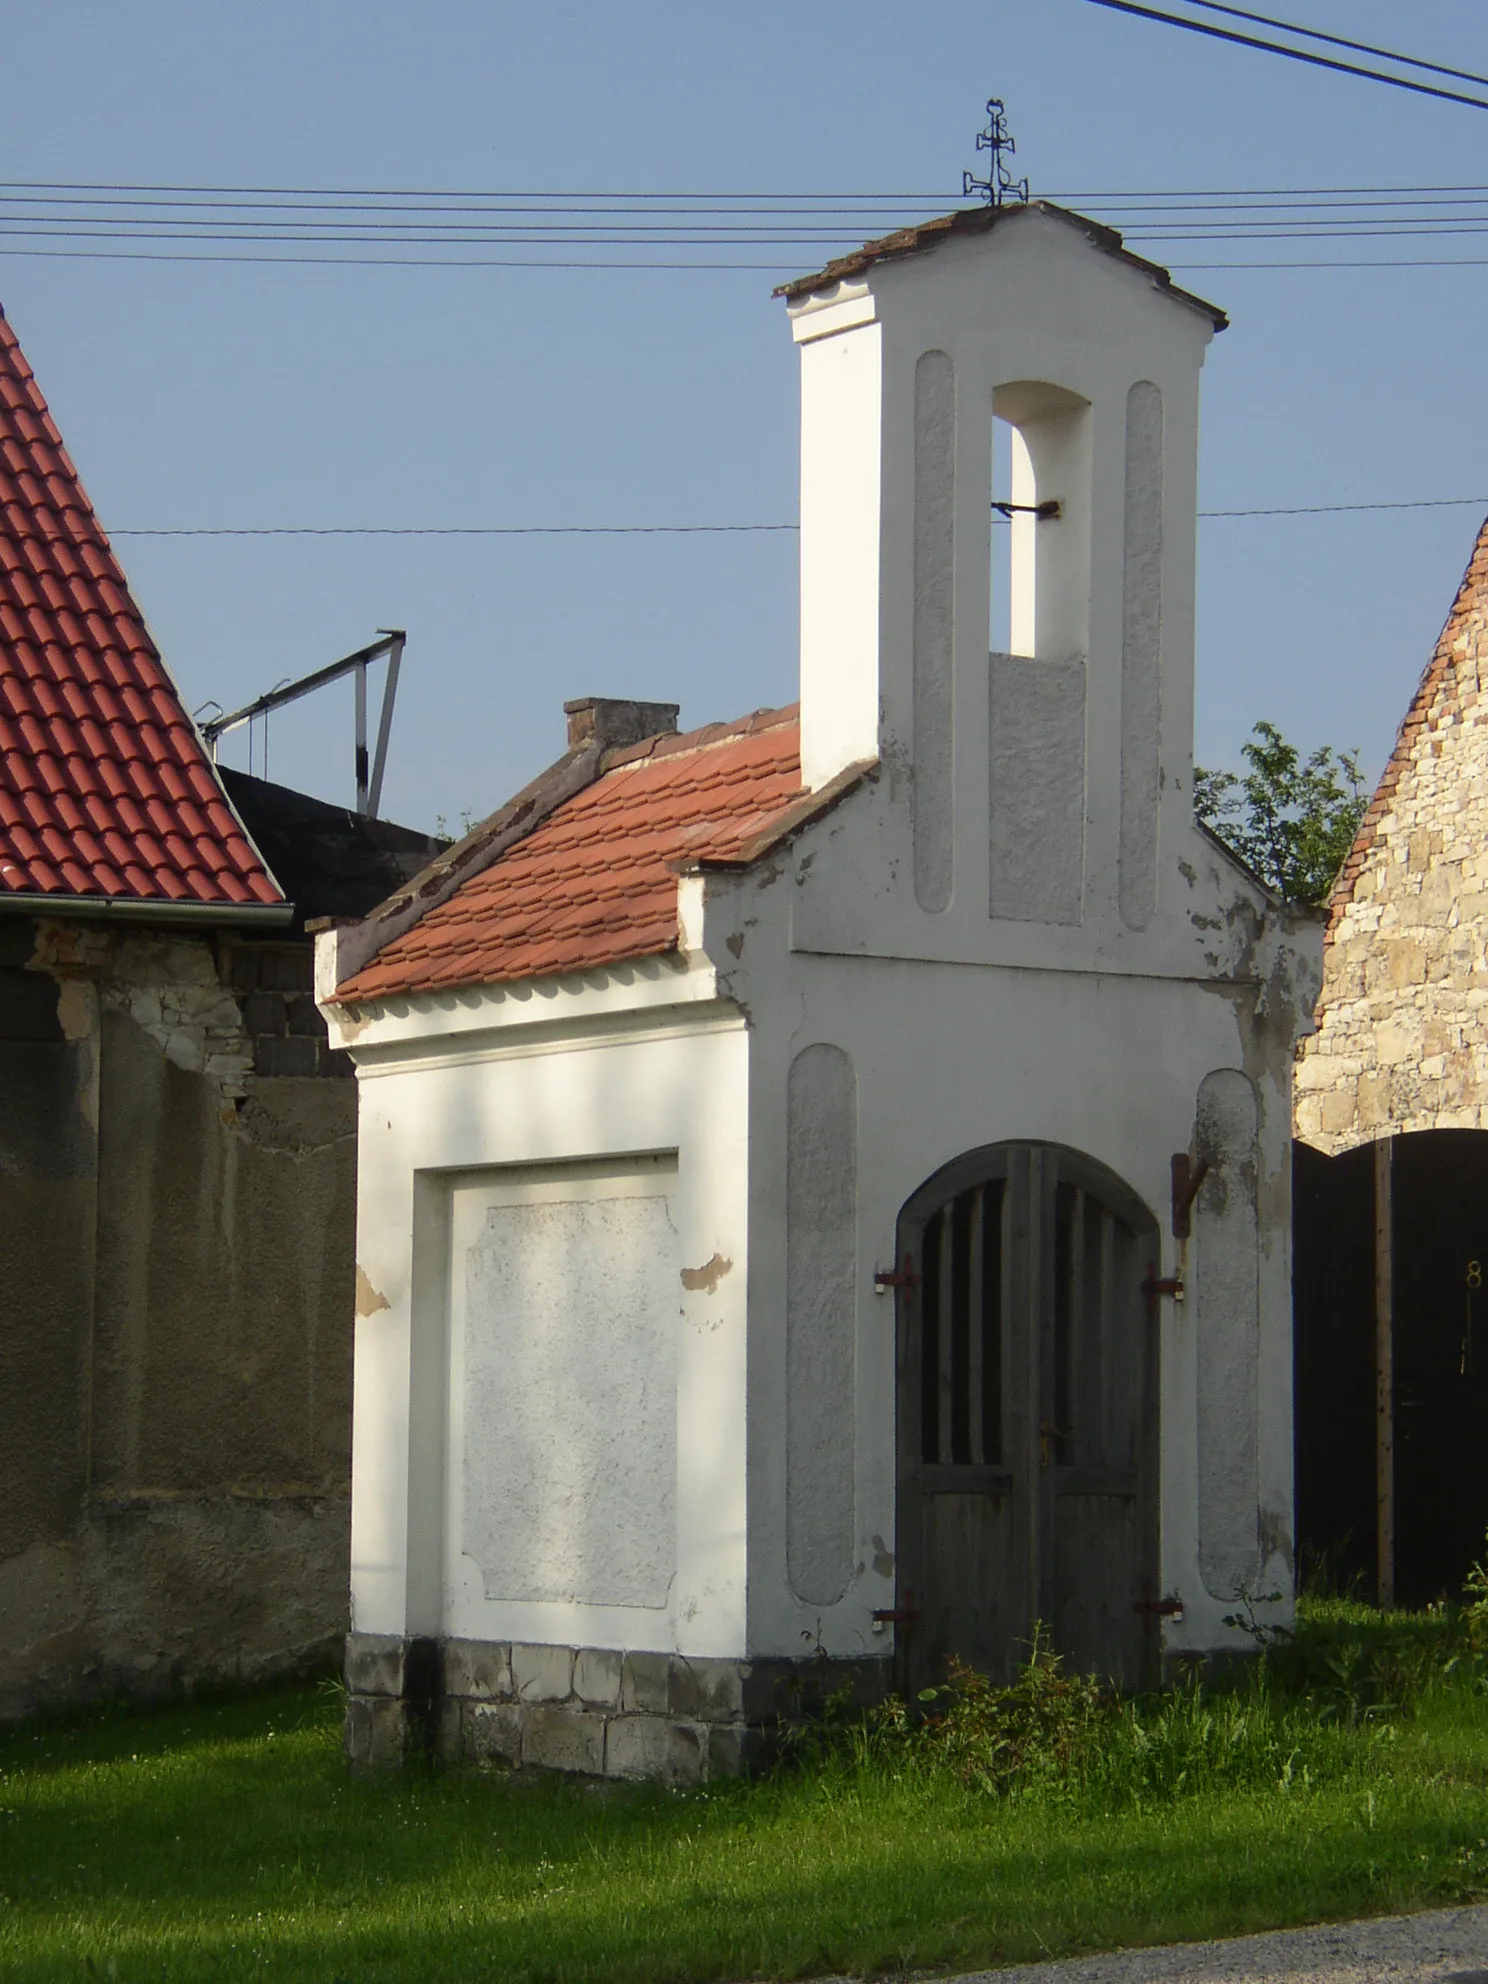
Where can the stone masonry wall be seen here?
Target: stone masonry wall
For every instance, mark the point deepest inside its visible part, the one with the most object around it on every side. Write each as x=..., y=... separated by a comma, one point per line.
x=1401, y=1043
x=590, y=1710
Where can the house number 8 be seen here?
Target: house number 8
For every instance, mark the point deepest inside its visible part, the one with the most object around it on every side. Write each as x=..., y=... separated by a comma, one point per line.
x=1475, y=1274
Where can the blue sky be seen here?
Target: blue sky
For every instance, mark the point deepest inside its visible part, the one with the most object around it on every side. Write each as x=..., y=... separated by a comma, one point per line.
x=211, y=394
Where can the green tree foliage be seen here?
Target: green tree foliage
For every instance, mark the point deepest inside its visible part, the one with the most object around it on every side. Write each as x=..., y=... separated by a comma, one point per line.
x=1291, y=819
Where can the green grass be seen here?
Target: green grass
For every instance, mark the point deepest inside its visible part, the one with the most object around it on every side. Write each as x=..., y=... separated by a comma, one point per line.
x=226, y=1842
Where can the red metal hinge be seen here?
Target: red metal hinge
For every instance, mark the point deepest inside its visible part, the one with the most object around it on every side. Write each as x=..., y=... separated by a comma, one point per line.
x=900, y=1277
x=1160, y=1608
x=898, y=1615
x=1156, y=1285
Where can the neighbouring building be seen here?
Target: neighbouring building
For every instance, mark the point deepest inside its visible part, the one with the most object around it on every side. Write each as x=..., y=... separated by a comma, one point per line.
x=823, y=1194
x=177, y=1153
x=1392, y=1156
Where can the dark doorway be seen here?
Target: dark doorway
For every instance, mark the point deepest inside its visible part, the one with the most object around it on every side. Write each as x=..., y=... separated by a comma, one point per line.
x=1438, y=1317
x=1027, y=1409
x=1333, y=1364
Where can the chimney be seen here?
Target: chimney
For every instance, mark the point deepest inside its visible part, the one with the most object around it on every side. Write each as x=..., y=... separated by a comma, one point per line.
x=605, y=723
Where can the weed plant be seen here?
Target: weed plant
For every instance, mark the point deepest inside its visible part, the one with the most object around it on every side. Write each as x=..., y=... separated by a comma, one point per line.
x=1323, y=1706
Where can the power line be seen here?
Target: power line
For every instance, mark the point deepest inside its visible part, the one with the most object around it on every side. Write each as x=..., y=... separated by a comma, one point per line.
x=1292, y=54
x=477, y=200
x=464, y=530
x=709, y=530
x=683, y=232
x=374, y=261
x=432, y=193
x=1348, y=509
x=1339, y=41
x=1167, y=224
x=775, y=268
x=1203, y=268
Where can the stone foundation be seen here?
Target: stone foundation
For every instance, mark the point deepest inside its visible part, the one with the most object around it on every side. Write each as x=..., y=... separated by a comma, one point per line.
x=656, y=1716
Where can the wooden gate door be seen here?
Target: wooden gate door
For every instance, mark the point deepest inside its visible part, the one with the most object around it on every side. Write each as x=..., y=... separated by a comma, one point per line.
x=1027, y=1418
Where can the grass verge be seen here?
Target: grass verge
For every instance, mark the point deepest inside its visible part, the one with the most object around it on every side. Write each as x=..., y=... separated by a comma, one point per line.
x=225, y=1841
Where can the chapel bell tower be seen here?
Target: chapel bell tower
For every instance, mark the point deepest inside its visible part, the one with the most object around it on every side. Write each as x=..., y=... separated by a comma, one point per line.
x=999, y=426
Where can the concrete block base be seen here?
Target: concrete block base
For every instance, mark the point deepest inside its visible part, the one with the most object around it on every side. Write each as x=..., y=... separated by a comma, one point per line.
x=591, y=1710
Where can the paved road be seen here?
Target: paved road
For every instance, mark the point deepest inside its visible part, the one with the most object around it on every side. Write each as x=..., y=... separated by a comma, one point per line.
x=1447, y=1947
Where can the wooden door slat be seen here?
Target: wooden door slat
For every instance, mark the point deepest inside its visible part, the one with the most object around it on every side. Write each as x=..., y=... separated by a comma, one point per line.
x=945, y=1416
x=975, y=1333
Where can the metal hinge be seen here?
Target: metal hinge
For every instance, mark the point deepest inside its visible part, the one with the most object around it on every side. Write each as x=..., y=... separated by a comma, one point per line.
x=898, y=1615
x=1160, y=1608
x=903, y=1276
x=1156, y=1285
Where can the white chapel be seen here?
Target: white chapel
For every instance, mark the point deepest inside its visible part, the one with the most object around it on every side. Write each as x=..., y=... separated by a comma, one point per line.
x=824, y=1192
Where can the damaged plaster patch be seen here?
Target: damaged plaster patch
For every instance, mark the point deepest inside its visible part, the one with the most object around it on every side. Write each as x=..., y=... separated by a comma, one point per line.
x=883, y=1558
x=708, y=1276
x=1276, y=1536
x=76, y=1012
x=171, y=989
x=368, y=1299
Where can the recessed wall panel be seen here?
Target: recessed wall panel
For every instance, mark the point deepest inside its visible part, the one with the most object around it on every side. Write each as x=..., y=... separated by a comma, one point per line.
x=1037, y=800
x=934, y=626
x=1141, y=655
x=821, y=1322
x=564, y=1376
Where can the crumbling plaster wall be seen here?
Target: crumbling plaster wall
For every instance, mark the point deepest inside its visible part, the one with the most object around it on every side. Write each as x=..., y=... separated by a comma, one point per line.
x=1400, y=1042
x=176, y=1235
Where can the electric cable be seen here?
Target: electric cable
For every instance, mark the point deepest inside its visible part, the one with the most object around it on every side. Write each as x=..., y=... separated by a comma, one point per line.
x=1292, y=54
x=706, y=530
x=1339, y=41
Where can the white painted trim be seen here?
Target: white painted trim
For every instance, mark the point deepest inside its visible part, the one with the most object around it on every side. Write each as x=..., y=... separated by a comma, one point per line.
x=849, y=306
x=480, y=1050
x=641, y=985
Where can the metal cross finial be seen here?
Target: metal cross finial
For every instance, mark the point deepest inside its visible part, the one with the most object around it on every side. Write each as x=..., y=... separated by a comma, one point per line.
x=999, y=186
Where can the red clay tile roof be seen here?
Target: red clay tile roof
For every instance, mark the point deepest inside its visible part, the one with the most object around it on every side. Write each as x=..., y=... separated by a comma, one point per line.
x=596, y=882
x=105, y=788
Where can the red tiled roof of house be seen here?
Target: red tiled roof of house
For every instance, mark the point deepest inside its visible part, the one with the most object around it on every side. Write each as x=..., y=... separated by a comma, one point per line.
x=106, y=791
x=1436, y=686
x=596, y=882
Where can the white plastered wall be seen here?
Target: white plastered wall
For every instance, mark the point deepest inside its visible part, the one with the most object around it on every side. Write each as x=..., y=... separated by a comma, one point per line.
x=948, y=1057
x=1063, y=957
x=1033, y=302
x=487, y=1117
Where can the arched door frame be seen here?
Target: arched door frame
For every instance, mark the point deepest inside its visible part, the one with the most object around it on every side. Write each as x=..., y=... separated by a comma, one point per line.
x=1012, y=1509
